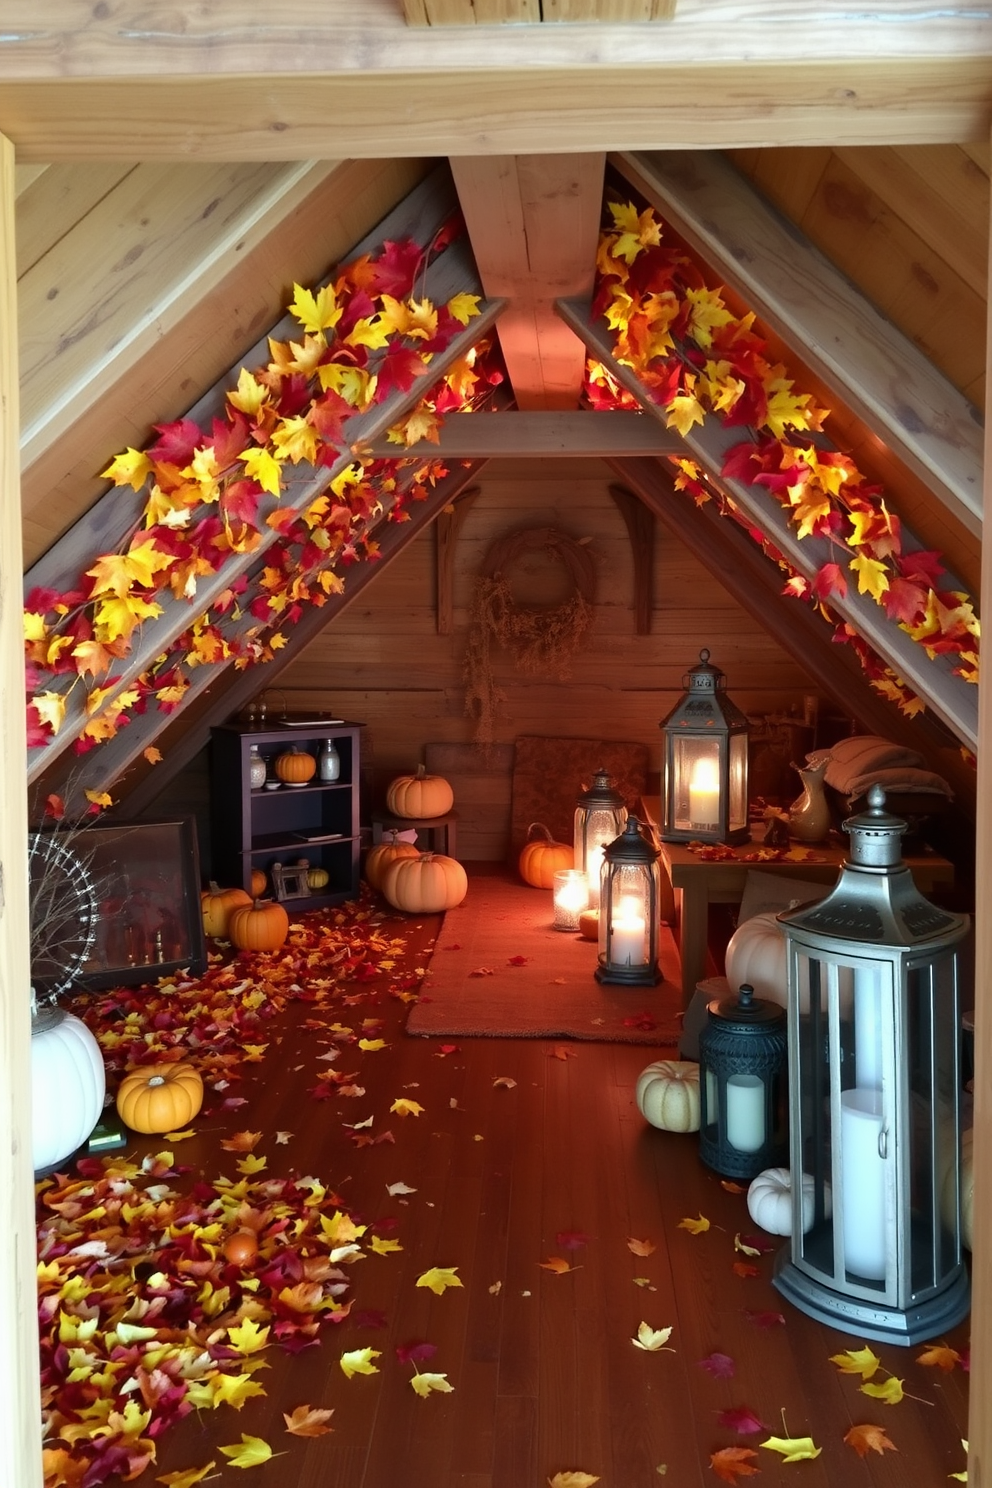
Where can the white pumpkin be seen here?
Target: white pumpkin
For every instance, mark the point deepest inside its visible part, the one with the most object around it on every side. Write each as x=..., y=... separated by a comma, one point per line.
x=769, y=1201
x=667, y=1095
x=68, y=1083
x=756, y=957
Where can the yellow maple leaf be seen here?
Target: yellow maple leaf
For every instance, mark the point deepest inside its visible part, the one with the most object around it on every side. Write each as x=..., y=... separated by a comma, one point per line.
x=251, y=1451
x=308, y=1421
x=316, y=312
x=296, y=440
x=35, y=628
x=404, y=1107
x=186, y=1478
x=890, y=1393
x=341, y=1228
x=962, y=1477
x=129, y=469
x=651, y=1339
x=371, y=1045
x=463, y=307
x=683, y=411
x=359, y=1361
x=152, y=755
x=572, y=1480
x=438, y=1278
x=707, y=314
x=353, y=384
x=116, y=618
x=810, y=509
x=50, y=707
x=636, y=231
x=787, y=409
x=249, y=395
x=262, y=468
x=235, y=1390
x=872, y=576
x=694, y=1226
x=857, y=1361
x=98, y=798
x=425, y=1383
x=248, y=1337
x=383, y=1246
x=793, y=1448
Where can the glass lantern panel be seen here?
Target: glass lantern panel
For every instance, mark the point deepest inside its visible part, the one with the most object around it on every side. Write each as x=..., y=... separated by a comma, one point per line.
x=694, y=794
x=626, y=935
x=932, y=1062
x=595, y=828
x=737, y=803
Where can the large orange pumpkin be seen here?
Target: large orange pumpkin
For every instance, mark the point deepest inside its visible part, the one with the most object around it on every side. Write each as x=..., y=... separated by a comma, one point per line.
x=540, y=861
x=261, y=926
x=160, y=1097
x=419, y=796
x=296, y=767
x=425, y=884
x=379, y=857
x=216, y=905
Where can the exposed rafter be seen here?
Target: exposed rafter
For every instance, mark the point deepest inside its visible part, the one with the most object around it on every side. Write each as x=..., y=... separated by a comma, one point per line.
x=498, y=12
x=107, y=525
x=862, y=356
x=951, y=698
x=543, y=436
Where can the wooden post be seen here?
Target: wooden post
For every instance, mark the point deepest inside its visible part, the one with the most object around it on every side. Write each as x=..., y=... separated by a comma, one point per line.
x=20, y=1454
x=980, y=1416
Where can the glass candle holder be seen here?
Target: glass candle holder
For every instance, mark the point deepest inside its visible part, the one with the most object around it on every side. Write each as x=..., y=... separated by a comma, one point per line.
x=571, y=896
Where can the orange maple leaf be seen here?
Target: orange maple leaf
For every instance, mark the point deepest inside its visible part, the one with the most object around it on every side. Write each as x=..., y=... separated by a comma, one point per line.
x=867, y=1438
x=241, y=1141
x=557, y=1264
x=308, y=1421
x=641, y=1247
x=731, y=1463
x=939, y=1356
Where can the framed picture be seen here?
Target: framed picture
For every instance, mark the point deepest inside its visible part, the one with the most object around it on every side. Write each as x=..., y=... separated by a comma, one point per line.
x=149, y=921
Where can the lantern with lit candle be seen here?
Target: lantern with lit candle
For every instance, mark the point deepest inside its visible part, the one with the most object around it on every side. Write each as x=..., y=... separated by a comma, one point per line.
x=874, y=1097
x=704, y=762
x=600, y=817
x=628, y=910
x=742, y=1080
x=571, y=896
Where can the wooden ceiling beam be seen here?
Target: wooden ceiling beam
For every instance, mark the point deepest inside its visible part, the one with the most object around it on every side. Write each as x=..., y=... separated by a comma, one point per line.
x=953, y=700
x=542, y=436
x=828, y=322
x=534, y=225
x=469, y=12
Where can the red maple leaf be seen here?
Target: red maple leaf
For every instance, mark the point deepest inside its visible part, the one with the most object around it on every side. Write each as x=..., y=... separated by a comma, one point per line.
x=731, y=1463
x=415, y=1352
x=720, y=1366
x=741, y=1419
x=829, y=580
x=764, y=1319
x=571, y=1239
x=517, y=960
x=398, y=371
x=177, y=442
x=905, y=600
x=397, y=267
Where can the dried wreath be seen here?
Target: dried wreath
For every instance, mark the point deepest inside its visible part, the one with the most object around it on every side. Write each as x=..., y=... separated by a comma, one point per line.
x=542, y=640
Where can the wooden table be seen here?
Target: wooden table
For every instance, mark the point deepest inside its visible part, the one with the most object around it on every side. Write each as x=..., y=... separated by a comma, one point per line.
x=698, y=883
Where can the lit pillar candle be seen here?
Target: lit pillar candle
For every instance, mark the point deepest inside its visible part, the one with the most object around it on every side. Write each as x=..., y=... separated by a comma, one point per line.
x=628, y=939
x=745, y=1113
x=704, y=796
x=863, y=1183
x=867, y=1029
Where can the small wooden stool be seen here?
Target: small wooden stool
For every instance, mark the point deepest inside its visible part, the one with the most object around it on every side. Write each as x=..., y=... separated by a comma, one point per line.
x=443, y=829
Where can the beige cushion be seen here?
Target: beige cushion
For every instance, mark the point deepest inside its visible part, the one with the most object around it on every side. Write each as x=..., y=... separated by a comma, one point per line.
x=900, y=779
x=869, y=752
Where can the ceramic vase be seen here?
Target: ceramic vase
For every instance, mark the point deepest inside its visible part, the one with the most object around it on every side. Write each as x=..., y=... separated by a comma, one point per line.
x=809, y=814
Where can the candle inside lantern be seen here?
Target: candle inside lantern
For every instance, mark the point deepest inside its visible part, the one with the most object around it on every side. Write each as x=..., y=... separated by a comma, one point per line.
x=594, y=868
x=745, y=1113
x=571, y=895
x=863, y=1183
x=704, y=796
x=628, y=933
x=867, y=1029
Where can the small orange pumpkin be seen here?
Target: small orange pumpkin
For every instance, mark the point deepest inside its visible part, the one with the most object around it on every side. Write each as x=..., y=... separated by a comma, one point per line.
x=539, y=861
x=160, y=1097
x=385, y=852
x=420, y=796
x=241, y=1248
x=258, y=882
x=426, y=884
x=296, y=766
x=261, y=926
x=318, y=878
x=216, y=905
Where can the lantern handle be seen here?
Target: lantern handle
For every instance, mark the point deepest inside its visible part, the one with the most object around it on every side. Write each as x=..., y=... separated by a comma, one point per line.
x=883, y=1143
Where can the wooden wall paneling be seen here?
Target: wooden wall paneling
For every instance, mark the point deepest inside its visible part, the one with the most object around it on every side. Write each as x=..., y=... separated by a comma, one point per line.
x=316, y=234
x=639, y=522
x=980, y=153
x=24, y=176
x=613, y=11
x=446, y=530
x=787, y=177
x=20, y=1454
x=53, y=204
x=98, y=300
x=534, y=225
x=951, y=698
x=980, y=1415
x=859, y=354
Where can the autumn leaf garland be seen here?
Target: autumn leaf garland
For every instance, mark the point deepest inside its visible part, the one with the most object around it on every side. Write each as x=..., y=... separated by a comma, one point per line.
x=210, y=490
x=697, y=359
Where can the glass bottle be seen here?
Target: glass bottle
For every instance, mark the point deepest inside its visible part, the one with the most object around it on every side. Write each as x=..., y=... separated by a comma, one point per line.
x=329, y=762
x=256, y=768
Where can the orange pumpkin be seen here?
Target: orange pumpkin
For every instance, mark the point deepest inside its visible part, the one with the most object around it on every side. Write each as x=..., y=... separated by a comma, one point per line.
x=216, y=905
x=420, y=796
x=426, y=884
x=241, y=1248
x=296, y=767
x=160, y=1097
x=539, y=861
x=384, y=853
x=261, y=926
x=257, y=883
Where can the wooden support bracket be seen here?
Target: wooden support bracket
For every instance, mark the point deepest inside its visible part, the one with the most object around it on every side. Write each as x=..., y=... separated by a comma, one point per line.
x=446, y=530
x=640, y=524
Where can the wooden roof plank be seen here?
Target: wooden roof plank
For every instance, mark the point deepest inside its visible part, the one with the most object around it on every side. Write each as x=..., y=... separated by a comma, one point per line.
x=859, y=354
x=542, y=436
x=953, y=700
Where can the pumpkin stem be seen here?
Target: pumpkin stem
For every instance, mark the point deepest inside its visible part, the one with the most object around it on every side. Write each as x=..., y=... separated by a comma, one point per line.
x=541, y=828
x=214, y=886
x=421, y=772
x=157, y=1080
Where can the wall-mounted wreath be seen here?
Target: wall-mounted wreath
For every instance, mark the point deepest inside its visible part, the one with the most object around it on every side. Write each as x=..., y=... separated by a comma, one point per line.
x=542, y=640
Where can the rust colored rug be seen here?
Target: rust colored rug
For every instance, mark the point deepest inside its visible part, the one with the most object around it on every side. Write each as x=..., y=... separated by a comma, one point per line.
x=500, y=971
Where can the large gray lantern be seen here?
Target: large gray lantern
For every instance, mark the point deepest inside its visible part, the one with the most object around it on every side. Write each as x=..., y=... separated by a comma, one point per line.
x=704, y=762
x=874, y=1098
x=600, y=817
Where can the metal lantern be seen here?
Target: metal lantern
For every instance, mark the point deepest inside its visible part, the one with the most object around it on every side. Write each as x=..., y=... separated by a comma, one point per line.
x=600, y=816
x=742, y=1083
x=874, y=1095
x=629, y=913
x=704, y=762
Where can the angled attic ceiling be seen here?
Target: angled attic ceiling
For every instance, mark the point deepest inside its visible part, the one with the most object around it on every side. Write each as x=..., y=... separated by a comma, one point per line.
x=518, y=213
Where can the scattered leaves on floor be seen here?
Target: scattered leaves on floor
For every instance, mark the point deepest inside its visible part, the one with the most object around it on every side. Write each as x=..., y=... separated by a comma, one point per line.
x=404, y=1107
x=424, y=1384
x=868, y=1438
x=939, y=1356
x=359, y=1361
x=890, y=1393
x=306, y=1420
x=641, y=1247
x=742, y=1419
x=857, y=1361
x=557, y=1264
x=720, y=1366
x=764, y=1319
x=652, y=1339
x=695, y=1226
x=439, y=1278
x=731, y=1463
x=251, y=1451
x=572, y=1480
x=793, y=1448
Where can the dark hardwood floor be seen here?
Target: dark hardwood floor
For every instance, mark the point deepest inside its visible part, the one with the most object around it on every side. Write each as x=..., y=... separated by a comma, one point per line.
x=546, y=1378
